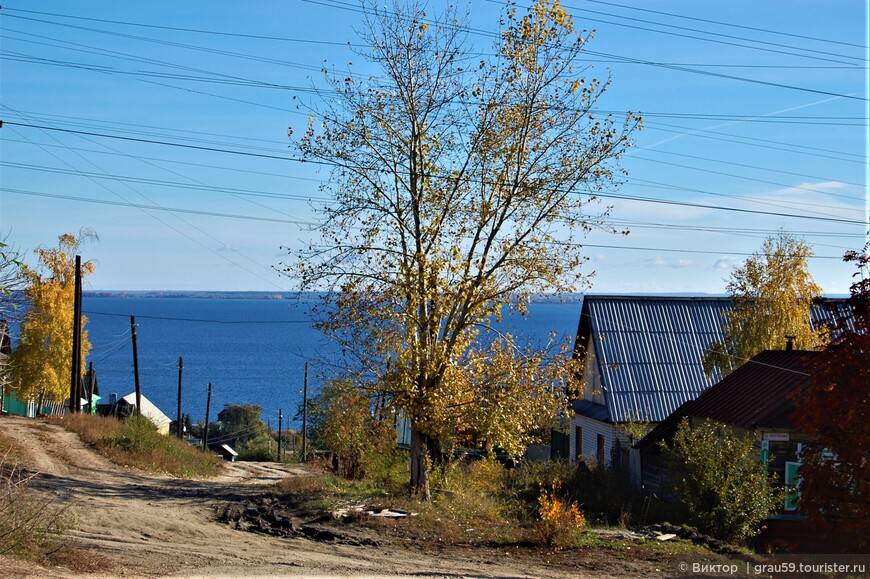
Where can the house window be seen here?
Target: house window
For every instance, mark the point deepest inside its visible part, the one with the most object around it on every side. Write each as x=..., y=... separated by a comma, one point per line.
x=578, y=443
x=601, y=449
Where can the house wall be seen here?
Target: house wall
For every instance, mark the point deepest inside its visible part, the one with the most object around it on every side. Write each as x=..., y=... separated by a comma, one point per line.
x=591, y=429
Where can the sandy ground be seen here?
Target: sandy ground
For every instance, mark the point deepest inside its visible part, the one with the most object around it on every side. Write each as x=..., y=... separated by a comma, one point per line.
x=149, y=525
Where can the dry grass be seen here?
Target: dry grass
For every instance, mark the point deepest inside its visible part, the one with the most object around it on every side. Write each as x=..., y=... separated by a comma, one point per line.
x=30, y=522
x=135, y=442
x=74, y=557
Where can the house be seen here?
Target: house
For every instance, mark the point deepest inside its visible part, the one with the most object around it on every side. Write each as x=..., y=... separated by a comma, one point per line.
x=226, y=452
x=641, y=359
x=756, y=397
x=126, y=406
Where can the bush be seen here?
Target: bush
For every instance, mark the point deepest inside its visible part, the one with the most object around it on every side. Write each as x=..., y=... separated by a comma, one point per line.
x=561, y=521
x=345, y=426
x=718, y=477
x=257, y=449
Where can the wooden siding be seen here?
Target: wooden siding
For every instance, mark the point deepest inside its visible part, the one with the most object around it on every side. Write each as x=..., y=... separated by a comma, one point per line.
x=592, y=390
x=591, y=430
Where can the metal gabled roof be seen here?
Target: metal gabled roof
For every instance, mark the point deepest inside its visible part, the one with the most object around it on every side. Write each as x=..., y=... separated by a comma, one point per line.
x=649, y=349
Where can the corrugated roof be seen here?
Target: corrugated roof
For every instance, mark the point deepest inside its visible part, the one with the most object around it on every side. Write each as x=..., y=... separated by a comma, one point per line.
x=649, y=349
x=758, y=394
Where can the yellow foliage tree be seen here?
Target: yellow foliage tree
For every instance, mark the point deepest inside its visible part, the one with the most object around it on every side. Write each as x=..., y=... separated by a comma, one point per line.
x=461, y=184
x=41, y=365
x=774, y=293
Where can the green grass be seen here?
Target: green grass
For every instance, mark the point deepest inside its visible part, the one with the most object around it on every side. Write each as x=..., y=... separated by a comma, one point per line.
x=136, y=442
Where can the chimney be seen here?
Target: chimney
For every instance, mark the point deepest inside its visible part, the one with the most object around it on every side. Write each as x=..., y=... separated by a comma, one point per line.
x=789, y=342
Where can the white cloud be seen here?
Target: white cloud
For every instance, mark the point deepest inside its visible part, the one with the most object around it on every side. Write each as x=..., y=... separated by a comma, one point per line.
x=726, y=262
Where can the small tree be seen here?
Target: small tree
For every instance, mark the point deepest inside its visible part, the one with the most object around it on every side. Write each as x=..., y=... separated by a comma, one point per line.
x=773, y=292
x=41, y=365
x=240, y=423
x=835, y=413
x=343, y=424
x=718, y=476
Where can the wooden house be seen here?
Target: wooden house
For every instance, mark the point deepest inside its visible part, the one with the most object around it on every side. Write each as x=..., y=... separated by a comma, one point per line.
x=126, y=406
x=756, y=398
x=641, y=359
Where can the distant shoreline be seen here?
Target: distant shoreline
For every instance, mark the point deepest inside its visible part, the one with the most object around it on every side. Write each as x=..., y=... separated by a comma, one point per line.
x=575, y=298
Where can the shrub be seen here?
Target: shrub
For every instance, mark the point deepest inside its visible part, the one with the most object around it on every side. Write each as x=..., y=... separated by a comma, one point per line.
x=346, y=427
x=560, y=521
x=257, y=449
x=718, y=476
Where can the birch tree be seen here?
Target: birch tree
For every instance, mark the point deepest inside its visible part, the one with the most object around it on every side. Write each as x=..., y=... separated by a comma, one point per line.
x=774, y=293
x=41, y=365
x=461, y=185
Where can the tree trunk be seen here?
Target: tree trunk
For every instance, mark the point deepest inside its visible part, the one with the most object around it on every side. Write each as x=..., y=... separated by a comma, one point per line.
x=419, y=466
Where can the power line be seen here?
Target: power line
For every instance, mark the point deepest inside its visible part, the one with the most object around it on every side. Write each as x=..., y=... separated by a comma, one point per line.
x=343, y=5
x=730, y=24
x=161, y=183
x=603, y=195
x=154, y=207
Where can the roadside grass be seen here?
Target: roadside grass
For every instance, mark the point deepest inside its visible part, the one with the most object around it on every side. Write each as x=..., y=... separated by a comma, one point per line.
x=136, y=442
x=30, y=522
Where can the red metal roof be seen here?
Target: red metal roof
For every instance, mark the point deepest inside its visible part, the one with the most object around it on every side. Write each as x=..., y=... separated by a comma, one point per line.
x=759, y=394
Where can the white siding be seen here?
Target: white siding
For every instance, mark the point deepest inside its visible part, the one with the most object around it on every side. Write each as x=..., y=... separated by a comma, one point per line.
x=591, y=430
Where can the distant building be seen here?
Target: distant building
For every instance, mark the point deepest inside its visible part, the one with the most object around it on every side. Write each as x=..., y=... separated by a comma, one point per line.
x=126, y=406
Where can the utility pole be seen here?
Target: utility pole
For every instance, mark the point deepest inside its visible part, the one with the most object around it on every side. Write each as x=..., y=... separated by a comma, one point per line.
x=207, y=407
x=305, y=415
x=280, y=418
x=92, y=383
x=75, y=403
x=136, y=365
x=179, y=427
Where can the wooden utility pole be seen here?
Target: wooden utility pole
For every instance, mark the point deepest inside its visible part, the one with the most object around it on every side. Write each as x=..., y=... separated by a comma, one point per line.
x=207, y=407
x=280, y=419
x=305, y=415
x=179, y=427
x=75, y=399
x=92, y=383
x=136, y=365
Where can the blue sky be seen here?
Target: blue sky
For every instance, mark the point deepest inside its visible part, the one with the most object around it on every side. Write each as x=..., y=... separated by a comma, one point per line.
x=755, y=120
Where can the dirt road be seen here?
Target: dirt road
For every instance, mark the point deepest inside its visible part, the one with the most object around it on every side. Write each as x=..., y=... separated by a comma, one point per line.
x=150, y=525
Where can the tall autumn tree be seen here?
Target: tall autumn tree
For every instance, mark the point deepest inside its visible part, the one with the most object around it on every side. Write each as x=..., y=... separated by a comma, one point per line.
x=41, y=365
x=461, y=184
x=773, y=293
x=835, y=414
